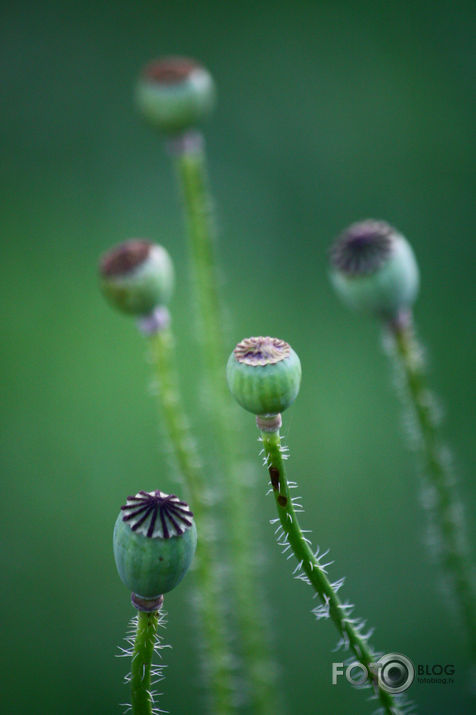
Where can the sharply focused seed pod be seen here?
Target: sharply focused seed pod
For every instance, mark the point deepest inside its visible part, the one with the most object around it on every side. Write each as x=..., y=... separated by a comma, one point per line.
x=154, y=542
x=264, y=375
x=373, y=269
x=137, y=276
x=175, y=94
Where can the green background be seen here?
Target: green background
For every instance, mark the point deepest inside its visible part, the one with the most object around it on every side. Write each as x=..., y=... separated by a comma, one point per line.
x=328, y=112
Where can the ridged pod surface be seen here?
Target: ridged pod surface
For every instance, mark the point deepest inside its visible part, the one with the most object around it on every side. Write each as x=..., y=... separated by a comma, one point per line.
x=264, y=375
x=154, y=542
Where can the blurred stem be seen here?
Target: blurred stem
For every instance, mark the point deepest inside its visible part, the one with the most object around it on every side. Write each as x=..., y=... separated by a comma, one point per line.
x=310, y=565
x=210, y=596
x=445, y=508
x=141, y=662
x=190, y=163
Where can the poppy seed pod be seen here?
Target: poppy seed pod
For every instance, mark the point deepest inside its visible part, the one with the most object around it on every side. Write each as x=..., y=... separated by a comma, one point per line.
x=154, y=543
x=175, y=94
x=137, y=276
x=264, y=375
x=373, y=269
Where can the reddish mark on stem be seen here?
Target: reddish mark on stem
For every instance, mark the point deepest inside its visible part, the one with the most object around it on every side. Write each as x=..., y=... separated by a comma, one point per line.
x=274, y=475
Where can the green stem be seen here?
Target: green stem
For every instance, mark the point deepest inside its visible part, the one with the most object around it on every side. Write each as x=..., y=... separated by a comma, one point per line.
x=190, y=165
x=191, y=169
x=142, y=702
x=348, y=628
x=217, y=659
x=447, y=511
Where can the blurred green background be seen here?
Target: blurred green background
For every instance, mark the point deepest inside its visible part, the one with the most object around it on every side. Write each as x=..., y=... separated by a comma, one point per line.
x=329, y=112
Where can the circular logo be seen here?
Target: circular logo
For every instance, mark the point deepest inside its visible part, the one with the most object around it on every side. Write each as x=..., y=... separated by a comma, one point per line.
x=395, y=672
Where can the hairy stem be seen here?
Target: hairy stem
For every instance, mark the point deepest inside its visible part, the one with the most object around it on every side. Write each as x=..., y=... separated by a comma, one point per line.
x=446, y=511
x=217, y=659
x=190, y=165
x=348, y=628
x=141, y=662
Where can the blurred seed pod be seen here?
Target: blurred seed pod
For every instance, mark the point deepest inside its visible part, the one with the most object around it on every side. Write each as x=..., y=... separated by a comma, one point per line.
x=373, y=269
x=137, y=276
x=175, y=94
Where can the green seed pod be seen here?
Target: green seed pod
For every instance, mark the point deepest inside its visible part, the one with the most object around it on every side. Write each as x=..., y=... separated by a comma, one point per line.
x=373, y=269
x=264, y=375
x=137, y=276
x=175, y=94
x=154, y=543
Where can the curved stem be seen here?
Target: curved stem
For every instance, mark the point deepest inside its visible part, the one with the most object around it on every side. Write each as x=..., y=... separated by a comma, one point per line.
x=142, y=702
x=190, y=163
x=447, y=511
x=315, y=572
x=217, y=659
